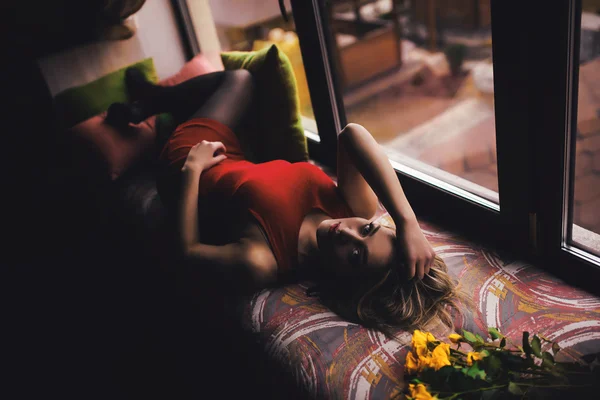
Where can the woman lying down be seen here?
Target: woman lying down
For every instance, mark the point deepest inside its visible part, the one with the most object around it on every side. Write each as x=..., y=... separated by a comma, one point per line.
x=266, y=223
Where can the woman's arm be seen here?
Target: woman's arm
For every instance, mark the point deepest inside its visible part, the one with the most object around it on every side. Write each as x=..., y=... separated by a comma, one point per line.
x=188, y=210
x=354, y=188
x=201, y=156
x=232, y=260
x=373, y=164
x=225, y=258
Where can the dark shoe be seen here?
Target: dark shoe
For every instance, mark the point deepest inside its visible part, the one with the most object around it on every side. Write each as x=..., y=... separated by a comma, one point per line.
x=120, y=115
x=138, y=86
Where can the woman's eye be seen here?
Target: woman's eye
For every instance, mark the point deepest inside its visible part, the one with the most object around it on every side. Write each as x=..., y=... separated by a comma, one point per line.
x=367, y=229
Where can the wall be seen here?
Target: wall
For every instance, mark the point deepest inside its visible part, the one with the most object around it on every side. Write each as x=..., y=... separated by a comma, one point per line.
x=157, y=36
x=242, y=13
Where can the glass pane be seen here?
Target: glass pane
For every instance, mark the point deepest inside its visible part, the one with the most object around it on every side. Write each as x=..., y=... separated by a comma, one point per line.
x=252, y=25
x=585, y=207
x=418, y=75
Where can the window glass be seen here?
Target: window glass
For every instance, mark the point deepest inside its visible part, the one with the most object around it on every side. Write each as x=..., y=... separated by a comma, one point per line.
x=585, y=203
x=419, y=76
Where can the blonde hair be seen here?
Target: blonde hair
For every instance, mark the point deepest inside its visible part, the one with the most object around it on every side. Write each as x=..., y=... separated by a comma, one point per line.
x=385, y=301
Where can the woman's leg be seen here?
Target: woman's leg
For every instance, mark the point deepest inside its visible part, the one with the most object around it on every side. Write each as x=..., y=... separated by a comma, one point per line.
x=225, y=96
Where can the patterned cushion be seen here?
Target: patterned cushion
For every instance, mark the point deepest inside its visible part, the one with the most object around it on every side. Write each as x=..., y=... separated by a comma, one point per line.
x=332, y=358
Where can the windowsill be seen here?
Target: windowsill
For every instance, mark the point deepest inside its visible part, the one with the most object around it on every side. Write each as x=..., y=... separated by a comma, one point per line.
x=445, y=180
x=586, y=239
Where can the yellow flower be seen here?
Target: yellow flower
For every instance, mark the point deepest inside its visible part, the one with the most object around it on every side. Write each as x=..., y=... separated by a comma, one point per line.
x=424, y=362
x=455, y=338
x=419, y=392
x=419, y=341
x=473, y=356
x=411, y=363
x=439, y=356
x=420, y=357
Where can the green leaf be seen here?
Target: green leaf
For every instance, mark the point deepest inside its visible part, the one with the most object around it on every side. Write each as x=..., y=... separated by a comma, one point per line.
x=459, y=381
x=492, y=364
x=555, y=348
x=416, y=381
x=503, y=343
x=436, y=379
x=479, y=339
x=475, y=372
x=494, y=333
x=469, y=337
x=547, y=360
x=536, y=346
x=526, y=345
x=514, y=389
x=548, y=356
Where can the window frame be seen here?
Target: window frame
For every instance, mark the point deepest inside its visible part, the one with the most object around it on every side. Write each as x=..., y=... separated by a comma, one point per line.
x=186, y=28
x=556, y=137
x=323, y=86
x=508, y=228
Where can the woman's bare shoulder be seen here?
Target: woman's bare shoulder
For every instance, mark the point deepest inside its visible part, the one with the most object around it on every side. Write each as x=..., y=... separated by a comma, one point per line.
x=256, y=247
x=260, y=262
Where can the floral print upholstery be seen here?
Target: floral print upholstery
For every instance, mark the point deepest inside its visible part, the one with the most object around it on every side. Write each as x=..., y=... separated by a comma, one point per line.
x=334, y=359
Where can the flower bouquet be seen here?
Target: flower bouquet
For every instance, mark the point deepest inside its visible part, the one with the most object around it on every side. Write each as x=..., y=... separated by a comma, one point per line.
x=494, y=368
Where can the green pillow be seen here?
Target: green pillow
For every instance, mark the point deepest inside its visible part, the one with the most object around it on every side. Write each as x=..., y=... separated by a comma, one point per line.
x=280, y=134
x=80, y=103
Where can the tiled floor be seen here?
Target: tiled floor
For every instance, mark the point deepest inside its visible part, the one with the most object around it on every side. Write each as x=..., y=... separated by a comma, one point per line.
x=449, y=124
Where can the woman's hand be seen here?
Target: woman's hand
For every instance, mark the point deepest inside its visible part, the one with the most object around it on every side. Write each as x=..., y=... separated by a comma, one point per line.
x=204, y=155
x=414, y=250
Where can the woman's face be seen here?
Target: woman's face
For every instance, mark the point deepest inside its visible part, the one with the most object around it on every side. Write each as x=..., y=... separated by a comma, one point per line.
x=354, y=244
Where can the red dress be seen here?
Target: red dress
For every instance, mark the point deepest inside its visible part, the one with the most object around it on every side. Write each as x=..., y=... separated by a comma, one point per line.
x=278, y=194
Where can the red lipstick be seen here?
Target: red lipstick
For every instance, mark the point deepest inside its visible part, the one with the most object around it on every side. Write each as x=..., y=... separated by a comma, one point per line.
x=333, y=228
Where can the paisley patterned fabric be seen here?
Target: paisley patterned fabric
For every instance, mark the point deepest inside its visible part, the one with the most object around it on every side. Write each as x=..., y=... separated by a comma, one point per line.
x=334, y=359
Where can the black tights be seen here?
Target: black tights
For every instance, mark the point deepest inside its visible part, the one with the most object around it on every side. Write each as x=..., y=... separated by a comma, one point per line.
x=225, y=96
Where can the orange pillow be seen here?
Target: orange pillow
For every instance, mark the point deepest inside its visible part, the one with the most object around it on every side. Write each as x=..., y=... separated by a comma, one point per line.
x=103, y=150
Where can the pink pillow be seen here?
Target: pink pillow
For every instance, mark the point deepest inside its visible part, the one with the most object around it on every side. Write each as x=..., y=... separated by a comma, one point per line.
x=198, y=65
x=105, y=150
